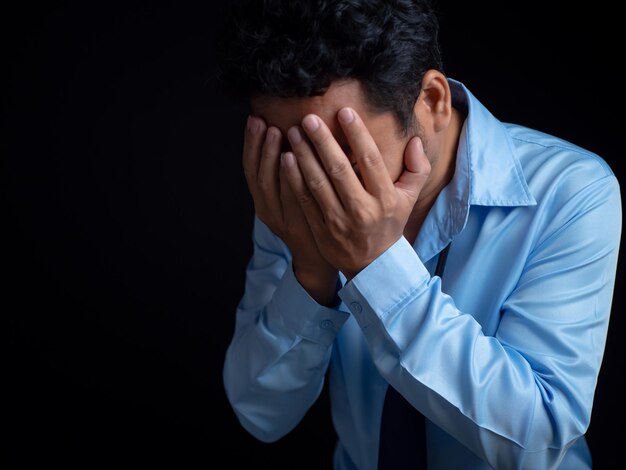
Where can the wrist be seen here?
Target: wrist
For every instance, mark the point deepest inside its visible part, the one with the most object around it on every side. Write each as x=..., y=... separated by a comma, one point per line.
x=320, y=284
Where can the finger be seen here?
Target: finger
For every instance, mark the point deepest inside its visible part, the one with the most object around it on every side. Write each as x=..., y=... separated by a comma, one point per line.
x=287, y=197
x=313, y=173
x=267, y=180
x=301, y=193
x=291, y=210
x=252, y=142
x=417, y=170
x=369, y=160
x=334, y=160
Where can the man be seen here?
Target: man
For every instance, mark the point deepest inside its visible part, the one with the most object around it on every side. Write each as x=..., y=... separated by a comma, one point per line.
x=407, y=241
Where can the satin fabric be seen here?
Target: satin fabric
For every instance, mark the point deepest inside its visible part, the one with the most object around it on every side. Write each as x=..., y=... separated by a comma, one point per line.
x=502, y=357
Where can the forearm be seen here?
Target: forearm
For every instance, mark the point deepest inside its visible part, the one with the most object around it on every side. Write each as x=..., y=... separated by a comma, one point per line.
x=271, y=382
x=275, y=364
x=509, y=403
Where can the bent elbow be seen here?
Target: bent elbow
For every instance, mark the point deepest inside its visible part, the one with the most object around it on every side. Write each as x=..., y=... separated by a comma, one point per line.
x=259, y=423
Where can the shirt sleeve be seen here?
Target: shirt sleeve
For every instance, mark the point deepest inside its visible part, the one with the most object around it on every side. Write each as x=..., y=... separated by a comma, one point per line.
x=275, y=364
x=522, y=397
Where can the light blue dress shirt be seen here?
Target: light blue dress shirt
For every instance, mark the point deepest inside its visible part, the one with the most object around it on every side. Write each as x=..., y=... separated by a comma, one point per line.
x=502, y=355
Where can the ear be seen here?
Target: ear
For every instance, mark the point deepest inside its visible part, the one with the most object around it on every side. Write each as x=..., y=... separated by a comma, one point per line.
x=434, y=103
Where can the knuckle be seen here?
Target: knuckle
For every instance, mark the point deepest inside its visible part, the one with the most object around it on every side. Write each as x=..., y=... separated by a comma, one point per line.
x=263, y=184
x=305, y=199
x=388, y=203
x=335, y=223
x=267, y=151
x=338, y=169
x=362, y=215
x=371, y=159
x=317, y=183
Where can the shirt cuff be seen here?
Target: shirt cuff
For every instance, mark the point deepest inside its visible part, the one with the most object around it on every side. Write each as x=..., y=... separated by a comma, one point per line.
x=388, y=282
x=301, y=315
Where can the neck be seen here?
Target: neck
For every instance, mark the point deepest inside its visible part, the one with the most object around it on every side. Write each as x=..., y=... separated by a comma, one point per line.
x=441, y=173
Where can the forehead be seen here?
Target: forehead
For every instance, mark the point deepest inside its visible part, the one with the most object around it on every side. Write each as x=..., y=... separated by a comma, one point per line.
x=287, y=112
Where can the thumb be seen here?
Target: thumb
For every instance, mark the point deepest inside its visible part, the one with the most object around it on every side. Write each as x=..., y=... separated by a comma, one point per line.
x=417, y=170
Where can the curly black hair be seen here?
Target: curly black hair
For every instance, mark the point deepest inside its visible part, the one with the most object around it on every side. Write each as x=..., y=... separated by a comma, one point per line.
x=296, y=48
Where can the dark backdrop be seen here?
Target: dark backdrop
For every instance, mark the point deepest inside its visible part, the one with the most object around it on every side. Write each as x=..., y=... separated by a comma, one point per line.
x=127, y=227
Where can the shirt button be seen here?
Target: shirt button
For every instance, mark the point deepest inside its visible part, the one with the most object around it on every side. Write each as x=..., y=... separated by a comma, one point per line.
x=356, y=307
x=327, y=324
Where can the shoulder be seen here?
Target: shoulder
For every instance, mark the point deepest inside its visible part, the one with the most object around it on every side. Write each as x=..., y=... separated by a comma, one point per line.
x=573, y=187
x=532, y=144
x=550, y=162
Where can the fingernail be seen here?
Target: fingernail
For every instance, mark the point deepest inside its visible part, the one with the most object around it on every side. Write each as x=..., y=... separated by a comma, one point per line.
x=310, y=123
x=346, y=115
x=294, y=135
x=253, y=125
x=287, y=159
x=270, y=136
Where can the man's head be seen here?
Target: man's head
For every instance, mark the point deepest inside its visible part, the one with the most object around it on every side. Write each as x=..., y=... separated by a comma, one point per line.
x=297, y=48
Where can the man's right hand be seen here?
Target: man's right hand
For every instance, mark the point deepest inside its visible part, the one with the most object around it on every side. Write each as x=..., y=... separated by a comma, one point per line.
x=276, y=207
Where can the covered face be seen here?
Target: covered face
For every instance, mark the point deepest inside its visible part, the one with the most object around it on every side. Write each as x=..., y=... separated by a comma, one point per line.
x=284, y=113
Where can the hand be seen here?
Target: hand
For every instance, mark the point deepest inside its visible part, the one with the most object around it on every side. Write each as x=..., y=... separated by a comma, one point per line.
x=352, y=223
x=276, y=206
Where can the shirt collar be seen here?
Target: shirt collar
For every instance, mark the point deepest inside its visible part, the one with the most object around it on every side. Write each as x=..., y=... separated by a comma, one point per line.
x=487, y=173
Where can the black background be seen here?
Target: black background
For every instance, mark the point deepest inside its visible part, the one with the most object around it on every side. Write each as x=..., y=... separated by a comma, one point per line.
x=127, y=226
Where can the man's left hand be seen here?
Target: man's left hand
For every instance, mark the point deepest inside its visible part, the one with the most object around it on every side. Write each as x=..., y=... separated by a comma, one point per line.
x=353, y=223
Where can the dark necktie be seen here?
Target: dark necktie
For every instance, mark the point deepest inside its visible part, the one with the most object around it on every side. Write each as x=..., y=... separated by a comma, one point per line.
x=403, y=427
